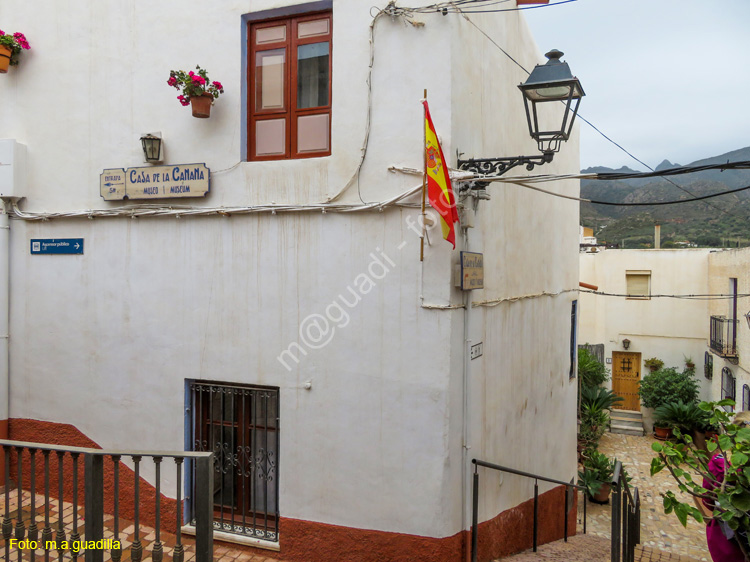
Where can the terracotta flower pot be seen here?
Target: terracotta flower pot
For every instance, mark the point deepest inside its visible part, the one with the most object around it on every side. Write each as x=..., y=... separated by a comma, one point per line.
x=5, y=53
x=201, y=105
x=662, y=433
x=602, y=496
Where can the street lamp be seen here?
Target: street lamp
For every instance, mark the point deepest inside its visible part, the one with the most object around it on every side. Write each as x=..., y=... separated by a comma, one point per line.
x=151, y=144
x=550, y=82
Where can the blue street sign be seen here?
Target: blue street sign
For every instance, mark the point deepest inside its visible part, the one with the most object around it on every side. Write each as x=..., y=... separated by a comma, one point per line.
x=57, y=245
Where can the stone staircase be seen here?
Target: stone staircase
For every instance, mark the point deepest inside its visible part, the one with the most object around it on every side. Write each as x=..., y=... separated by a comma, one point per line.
x=626, y=422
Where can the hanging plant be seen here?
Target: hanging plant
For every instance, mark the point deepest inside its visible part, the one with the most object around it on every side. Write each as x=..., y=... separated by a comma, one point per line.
x=197, y=90
x=10, y=49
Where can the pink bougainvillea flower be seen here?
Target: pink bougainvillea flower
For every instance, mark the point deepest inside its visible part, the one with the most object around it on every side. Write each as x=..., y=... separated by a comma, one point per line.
x=183, y=100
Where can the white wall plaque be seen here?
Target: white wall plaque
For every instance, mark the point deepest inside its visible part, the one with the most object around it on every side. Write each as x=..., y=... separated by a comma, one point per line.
x=155, y=182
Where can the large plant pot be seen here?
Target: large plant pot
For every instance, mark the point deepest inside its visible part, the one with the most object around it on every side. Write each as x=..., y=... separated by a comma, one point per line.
x=201, y=105
x=602, y=496
x=662, y=433
x=5, y=53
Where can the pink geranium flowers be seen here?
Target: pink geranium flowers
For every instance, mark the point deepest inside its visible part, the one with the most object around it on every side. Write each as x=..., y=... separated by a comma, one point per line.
x=193, y=84
x=15, y=43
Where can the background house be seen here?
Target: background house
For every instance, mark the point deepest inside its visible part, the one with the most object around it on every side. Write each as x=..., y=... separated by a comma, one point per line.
x=285, y=320
x=671, y=329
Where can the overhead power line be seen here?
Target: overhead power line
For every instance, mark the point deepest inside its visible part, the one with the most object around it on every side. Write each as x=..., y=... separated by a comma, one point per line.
x=708, y=296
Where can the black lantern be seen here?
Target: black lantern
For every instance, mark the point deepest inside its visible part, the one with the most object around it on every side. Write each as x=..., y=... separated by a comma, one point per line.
x=151, y=147
x=551, y=82
x=626, y=343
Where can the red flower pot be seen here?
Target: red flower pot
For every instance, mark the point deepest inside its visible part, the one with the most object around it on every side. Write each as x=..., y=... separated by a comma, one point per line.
x=201, y=105
x=662, y=433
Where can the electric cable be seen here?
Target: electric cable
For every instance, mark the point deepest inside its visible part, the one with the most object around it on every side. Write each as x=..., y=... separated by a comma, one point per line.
x=707, y=296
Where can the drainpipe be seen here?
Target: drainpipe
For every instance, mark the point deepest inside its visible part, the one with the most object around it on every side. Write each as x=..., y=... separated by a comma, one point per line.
x=4, y=317
x=657, y=236
x=466, y=437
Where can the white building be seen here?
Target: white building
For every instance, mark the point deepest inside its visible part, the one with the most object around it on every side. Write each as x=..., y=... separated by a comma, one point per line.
x=293, y=289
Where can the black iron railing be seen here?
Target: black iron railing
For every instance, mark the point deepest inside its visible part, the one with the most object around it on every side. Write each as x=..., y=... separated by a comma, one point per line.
x=724, y=336
x=536, y=477
x=32, y=462
x=626, y=517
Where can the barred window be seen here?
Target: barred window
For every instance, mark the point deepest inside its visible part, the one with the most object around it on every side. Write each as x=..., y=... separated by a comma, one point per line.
x=728, y=387
x=240, y=425
x=745, y=397
x=708, y=366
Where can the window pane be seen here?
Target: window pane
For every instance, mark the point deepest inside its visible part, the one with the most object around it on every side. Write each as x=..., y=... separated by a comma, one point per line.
x=312, y=28
x=269, y=79
x=270, y=35
x=312, y=75
x=312, y=133
x=270, y=137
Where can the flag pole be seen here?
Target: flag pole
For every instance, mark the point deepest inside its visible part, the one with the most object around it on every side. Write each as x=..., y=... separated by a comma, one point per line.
x=424, y=176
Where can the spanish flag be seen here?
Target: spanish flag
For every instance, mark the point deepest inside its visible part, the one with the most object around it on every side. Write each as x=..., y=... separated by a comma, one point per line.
x=439, y=189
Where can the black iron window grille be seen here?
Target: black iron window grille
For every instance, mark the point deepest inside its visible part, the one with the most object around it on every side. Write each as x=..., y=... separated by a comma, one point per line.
x=708, y=365
x=240, y=425
x=626, y=365
x=745, y=397
x=728, y=387
x=724, y=336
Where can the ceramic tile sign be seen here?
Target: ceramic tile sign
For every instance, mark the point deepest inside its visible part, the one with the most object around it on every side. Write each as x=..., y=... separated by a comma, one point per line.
x=472, y=271
x=46, y=246
x=155, y=182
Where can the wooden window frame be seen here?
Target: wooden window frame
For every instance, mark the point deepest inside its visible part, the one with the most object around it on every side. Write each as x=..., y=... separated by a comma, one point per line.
x=291, y=113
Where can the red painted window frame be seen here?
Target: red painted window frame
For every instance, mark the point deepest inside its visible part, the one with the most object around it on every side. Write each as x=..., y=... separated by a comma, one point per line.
x=290, y=113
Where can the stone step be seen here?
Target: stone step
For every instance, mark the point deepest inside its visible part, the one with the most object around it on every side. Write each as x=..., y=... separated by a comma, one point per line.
x=635, y=424
x=626, y=429
x=622, y=414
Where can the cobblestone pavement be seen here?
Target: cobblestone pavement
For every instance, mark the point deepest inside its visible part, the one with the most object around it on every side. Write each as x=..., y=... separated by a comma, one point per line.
x=658, y=530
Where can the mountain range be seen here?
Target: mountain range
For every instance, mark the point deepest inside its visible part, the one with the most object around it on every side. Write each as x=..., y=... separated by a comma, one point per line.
x=717, y=222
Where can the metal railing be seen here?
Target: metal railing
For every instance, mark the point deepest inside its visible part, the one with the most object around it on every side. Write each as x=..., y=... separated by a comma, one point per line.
x=44, y=459
x=626, y=517
x=724, y=336
x=475, y=502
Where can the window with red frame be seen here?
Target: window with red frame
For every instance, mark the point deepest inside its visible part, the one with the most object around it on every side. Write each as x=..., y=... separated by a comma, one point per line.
x=289, y=110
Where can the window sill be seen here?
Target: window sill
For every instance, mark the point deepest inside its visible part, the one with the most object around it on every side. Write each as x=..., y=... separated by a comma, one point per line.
x=236, y=539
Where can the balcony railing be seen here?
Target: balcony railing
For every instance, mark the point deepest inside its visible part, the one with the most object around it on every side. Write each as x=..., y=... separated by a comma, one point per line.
x=724, y=336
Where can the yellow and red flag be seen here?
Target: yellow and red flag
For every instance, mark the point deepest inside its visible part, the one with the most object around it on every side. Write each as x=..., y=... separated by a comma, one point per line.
x=439, y=189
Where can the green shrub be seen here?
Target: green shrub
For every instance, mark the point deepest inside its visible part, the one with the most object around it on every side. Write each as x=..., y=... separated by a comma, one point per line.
x=668, y=385
x=678, y=415
x=591, y=372
x=600, y=397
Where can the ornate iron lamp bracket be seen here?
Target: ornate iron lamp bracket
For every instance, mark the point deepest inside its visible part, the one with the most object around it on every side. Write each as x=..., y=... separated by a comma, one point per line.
x=498, y=166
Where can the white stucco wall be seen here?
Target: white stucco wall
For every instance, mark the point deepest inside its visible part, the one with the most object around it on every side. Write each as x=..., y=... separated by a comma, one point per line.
x=723, y=265
x=669, y=329
x=105, y=341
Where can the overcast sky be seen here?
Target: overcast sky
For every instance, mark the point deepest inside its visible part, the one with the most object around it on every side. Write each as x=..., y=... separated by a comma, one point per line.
x=663, y=78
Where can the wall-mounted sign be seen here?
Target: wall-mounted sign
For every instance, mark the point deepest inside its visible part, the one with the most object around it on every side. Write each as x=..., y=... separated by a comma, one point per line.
x=57, y=245
x=155, y=182
x=472, y=271
x=477, y=350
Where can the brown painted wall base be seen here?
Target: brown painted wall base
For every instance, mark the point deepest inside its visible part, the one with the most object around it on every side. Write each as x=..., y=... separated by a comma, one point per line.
x=308, y=541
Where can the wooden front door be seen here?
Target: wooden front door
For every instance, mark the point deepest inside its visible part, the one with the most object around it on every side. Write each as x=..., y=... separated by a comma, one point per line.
x=626, y=376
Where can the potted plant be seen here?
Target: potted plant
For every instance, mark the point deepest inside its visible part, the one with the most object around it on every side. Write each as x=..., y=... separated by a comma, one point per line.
x=596, y=476
x=692, y=470
x=654, y=364
x=10, y=49
x=676, y=415
x=197, y=90
x=689, y=363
